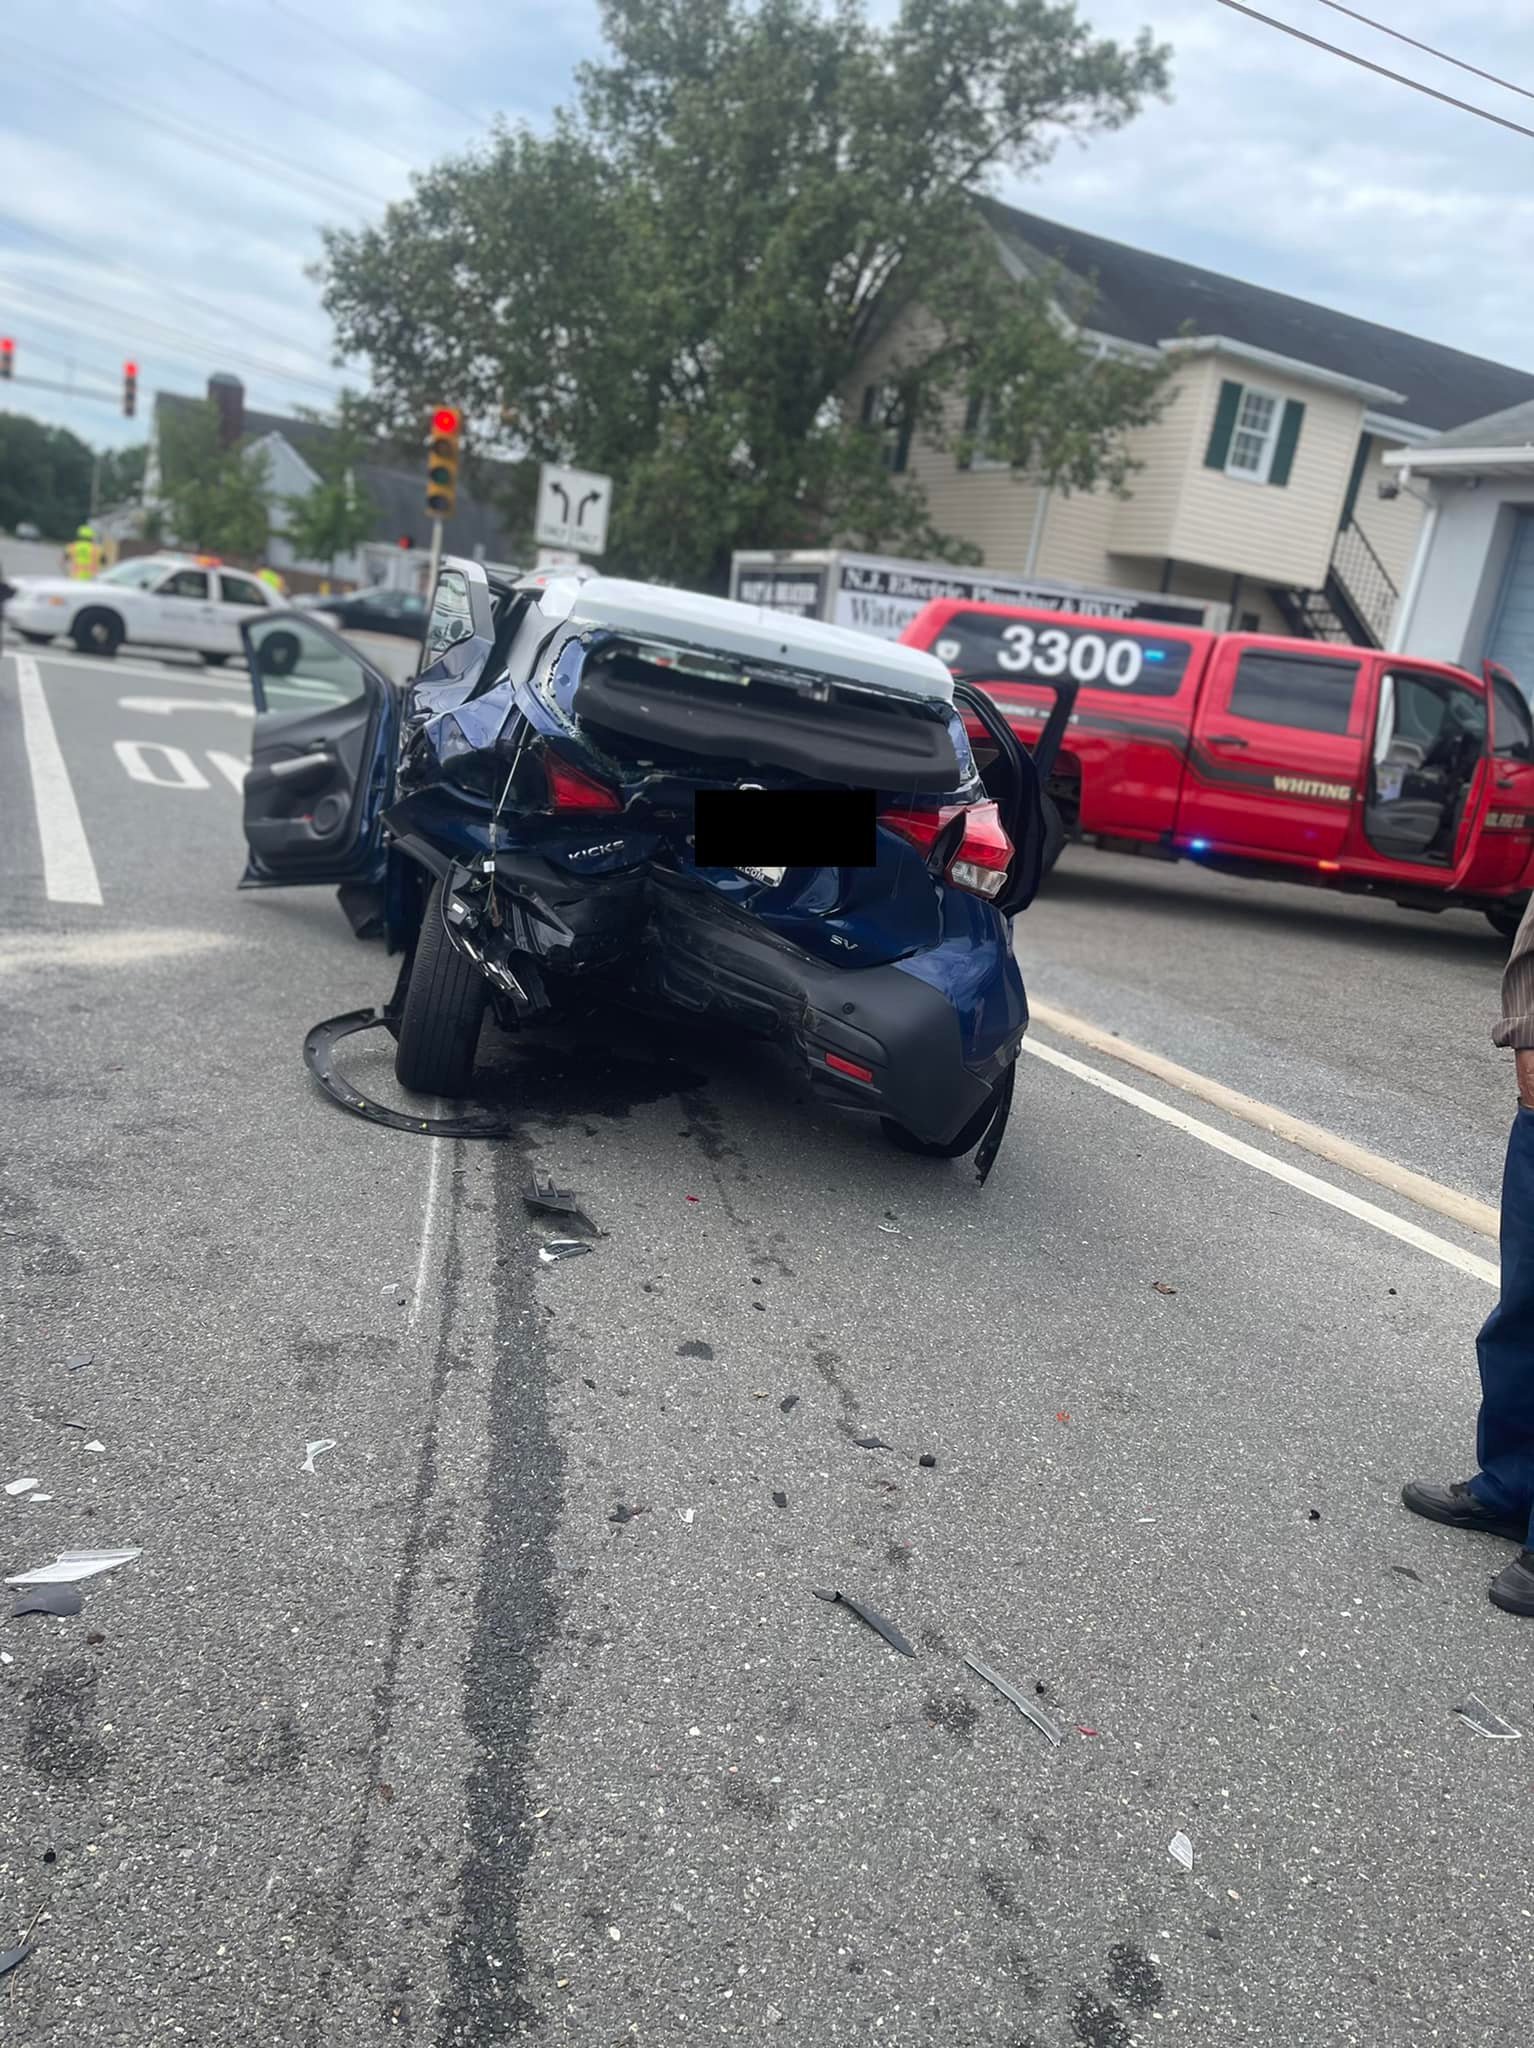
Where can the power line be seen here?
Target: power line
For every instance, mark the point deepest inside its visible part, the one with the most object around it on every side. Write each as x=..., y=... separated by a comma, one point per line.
x=1397, y=77
x=1442, y=55
x=162, y=290
x=247, y=155
x=256, y=84
x=375, y=63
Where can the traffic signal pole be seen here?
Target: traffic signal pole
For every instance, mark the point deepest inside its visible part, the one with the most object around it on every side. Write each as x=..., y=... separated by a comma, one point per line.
x=435, y=562
x=442, y=448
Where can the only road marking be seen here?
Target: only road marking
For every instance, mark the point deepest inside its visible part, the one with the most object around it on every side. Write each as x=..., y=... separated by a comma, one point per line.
x=1279, y=1169
x=69, y=873
x=183, y=770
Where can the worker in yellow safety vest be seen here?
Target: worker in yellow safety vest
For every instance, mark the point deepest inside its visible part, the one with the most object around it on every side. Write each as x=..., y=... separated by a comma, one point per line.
x=84, y=554
x=272, y=581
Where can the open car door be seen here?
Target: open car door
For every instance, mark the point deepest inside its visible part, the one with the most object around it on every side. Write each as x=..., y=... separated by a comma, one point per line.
x=321, y=757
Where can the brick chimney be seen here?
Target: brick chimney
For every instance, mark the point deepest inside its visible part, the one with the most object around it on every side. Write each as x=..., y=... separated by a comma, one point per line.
x=226, y=395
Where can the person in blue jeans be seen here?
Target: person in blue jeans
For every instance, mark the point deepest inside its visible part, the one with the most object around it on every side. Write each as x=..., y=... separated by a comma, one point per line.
x=1499, y=1497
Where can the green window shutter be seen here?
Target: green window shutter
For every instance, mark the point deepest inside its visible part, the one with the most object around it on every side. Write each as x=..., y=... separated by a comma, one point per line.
x=1360, y=464
x=1288, y=441
x=1216, y=454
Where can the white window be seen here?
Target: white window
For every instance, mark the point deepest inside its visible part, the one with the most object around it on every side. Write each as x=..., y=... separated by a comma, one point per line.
x=1254, y=435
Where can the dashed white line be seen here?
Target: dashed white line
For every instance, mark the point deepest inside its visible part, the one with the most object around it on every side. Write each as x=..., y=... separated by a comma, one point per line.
x=69, y=873
x=428, y=1226
x=1277, y=1169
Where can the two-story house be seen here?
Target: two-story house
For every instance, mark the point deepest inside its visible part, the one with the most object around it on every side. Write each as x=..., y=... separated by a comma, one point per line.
x=1259, y=483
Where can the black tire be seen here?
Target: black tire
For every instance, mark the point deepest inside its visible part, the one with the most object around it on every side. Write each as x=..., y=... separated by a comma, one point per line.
x=444, y=1008
x=1507, y=917
x=952, y=1148
x=37, y=639
x=279, y=654
x=97, y=631
x=214, y=660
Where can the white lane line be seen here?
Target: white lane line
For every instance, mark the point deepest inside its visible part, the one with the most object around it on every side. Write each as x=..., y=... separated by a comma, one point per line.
x=231, y=767
x=1386, y=1173
x=162, y=707
x=428, y=1225
x=184, y=772
x=1278, y=1169
x=69, y=873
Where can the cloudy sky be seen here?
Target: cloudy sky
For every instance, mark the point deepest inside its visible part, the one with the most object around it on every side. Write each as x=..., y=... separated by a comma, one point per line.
x=165, y=170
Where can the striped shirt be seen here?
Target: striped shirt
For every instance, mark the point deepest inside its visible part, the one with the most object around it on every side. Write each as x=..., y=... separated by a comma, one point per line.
x=1516, y=1025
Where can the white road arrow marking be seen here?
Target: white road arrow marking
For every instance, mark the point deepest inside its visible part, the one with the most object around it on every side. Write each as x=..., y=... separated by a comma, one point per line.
x=162, y=707
x=184, y=772
x=232, y=768
x=69, y=873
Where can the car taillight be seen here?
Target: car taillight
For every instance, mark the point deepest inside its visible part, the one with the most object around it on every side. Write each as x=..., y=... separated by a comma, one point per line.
x=982, y=857
x=570, y=790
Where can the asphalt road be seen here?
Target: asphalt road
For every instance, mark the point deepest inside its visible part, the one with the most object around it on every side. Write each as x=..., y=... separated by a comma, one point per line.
x=425, y=1745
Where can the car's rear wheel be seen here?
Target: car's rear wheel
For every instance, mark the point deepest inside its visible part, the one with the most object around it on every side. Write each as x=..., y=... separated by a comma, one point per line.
x=444, y=1008
x=1505, y=918
x=950, y=1148
x=97, y=631
x=214, y=660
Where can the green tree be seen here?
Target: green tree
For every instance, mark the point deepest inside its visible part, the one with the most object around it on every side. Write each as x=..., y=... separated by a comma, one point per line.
x=336, y=515
x=215, y=497
x=680, y=282
x=45, y=476
x=120, y=474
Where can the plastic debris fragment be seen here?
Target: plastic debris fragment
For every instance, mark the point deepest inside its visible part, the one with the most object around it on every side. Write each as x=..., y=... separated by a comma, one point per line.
x=542, y=1196
x=780, y=1500
x=1023, y=1704
x=559, y=1248
x=927, y=1459
x=1162, y=1288
x=1083, y=1729
x=788, y=1403
x=72, y=1565
x=872, y=1443
x=79, y=1364
x=317, y=1449
x=876, y=1622
x=1405, y=1571
x=624, y=1514
x=38, y=1500
x=22, y=1485
x=1180, y=1849
x=890, y=1227
x=1477, y=1715
x=95, y=1444
x=49, y=1600
x=13, y=1956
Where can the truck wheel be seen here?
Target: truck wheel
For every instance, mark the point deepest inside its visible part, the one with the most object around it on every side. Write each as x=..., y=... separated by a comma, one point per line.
x=927, y=1148
x=1506, y=918
x=97, y=631
x=444, y=1008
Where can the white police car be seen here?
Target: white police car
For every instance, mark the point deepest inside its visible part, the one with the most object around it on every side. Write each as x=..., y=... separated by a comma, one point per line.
x=179, y=601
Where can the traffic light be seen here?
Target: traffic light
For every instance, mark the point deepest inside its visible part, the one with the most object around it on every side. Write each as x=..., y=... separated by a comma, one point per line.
x=130, y=389
x=442, y=462
x=7, y=357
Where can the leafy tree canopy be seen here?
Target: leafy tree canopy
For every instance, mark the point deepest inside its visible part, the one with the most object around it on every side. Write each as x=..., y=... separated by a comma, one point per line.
x=45, y=477
x=679, y=281
x=215, y=498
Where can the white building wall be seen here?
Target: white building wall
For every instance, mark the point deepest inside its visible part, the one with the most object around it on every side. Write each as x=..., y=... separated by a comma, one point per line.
x=1446, y=609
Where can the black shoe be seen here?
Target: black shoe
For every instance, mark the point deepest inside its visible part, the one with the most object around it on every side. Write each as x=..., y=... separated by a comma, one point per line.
x=1513, y=1588
x=1461, y=1509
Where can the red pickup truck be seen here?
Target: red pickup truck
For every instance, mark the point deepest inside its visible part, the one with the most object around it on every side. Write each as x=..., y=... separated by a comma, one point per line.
x=1290, y=759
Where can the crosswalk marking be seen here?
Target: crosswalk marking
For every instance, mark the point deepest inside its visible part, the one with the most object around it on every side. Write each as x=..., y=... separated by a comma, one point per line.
x=69, y=873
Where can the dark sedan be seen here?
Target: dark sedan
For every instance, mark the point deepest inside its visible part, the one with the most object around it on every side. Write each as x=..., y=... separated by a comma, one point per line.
x=376, y=611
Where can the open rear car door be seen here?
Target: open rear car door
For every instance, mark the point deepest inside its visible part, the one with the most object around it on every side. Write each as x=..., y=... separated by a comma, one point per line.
x=321, y=757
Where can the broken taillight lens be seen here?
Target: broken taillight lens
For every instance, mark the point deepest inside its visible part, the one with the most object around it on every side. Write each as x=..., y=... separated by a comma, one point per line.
x=983, y=856
x=570, y=790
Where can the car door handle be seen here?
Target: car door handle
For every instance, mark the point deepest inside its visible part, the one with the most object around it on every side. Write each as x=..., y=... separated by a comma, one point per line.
x=1227, y=739
x=302, y=771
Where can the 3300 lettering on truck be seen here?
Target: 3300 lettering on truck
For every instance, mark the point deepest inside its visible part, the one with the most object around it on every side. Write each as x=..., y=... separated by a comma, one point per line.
x=1288, y=759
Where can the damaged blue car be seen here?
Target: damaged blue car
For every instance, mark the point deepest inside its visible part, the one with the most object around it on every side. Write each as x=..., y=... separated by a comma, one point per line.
x=595, y=787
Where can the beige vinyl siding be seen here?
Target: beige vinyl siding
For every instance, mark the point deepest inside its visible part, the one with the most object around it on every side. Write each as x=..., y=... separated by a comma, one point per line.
x=1074, y=544
x=1144, y=523
x=1282, y=534
x=1391, y=525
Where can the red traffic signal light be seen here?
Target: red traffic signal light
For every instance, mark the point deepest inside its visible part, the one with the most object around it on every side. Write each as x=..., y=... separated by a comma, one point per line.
x=130, y=389
x=442, y=461
x=7, y=357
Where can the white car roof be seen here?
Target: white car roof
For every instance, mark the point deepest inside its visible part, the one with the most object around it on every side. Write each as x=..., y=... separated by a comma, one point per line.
x=748, y=631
